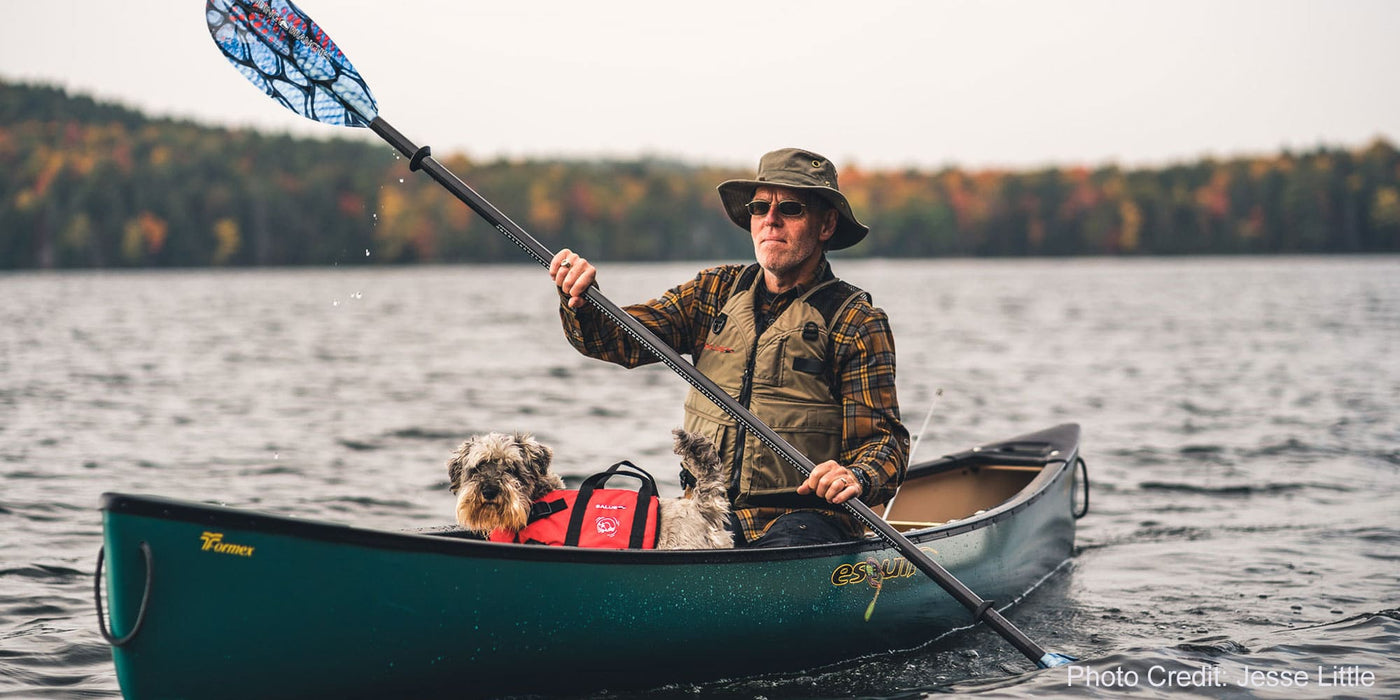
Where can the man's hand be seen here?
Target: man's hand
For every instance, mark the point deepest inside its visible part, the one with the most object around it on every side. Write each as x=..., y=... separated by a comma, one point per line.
x=572, y=275
x=833, y=482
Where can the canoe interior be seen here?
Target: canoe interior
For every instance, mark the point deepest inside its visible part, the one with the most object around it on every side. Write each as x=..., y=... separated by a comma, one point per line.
x=927, y=499
x=955, y=494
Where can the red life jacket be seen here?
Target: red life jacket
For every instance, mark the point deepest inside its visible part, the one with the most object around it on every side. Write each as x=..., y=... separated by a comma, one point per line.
x=594, y=517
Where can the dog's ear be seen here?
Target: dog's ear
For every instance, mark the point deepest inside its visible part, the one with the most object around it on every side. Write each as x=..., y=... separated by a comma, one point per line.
x=538, y=456
x=455, y=465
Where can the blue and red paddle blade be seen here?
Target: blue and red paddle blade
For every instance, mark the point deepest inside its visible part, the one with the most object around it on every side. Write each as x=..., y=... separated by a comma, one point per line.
x=282, y=52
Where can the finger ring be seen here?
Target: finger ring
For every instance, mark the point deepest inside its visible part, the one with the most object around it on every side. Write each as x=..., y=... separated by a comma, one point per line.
x=566, y=263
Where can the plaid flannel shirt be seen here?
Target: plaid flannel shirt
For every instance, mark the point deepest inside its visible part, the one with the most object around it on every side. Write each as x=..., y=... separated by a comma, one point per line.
x=875, y=442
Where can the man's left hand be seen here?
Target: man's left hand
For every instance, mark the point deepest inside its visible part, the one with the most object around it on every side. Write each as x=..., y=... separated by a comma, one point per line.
x=833, y=482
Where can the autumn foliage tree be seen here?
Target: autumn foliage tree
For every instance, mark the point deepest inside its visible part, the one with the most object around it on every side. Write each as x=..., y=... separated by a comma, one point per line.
x=86, y=184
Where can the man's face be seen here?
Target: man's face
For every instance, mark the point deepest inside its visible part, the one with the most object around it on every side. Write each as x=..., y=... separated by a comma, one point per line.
x=785, y=245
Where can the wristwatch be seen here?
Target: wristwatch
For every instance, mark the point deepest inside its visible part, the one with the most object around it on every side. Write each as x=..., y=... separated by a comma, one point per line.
x=863, y=480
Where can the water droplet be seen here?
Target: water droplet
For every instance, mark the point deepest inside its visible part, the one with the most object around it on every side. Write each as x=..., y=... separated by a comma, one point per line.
x=367, y=252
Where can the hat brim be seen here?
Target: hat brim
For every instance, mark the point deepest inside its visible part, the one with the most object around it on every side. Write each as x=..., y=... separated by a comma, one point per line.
x=736, y=194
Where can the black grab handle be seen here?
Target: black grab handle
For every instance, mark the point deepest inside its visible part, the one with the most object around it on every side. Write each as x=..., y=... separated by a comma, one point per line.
x=145, y=598
x=623, y=468
x=1083, y=469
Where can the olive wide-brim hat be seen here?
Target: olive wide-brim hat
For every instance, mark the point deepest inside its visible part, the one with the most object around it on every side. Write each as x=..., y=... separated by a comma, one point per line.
x=800, y=170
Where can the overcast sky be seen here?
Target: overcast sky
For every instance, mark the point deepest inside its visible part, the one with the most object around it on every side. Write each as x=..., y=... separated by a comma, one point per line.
x=883, y=84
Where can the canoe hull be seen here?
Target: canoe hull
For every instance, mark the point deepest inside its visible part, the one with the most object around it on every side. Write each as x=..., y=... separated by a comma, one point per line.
x=245, y=604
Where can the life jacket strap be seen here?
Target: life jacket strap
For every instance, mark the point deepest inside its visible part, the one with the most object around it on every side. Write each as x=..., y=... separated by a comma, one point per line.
x=540, y=510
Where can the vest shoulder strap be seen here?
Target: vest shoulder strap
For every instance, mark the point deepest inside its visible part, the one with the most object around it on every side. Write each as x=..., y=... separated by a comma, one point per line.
x=745, y=279
x=833, y=298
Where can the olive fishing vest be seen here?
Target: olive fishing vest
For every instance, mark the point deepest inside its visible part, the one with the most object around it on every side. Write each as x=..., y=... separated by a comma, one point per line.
x=783, y=376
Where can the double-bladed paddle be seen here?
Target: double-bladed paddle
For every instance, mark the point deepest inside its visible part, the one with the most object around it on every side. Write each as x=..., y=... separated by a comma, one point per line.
x=285, y=54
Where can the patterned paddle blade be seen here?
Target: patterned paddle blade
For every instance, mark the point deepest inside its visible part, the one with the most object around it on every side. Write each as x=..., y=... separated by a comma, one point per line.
x=281, y=51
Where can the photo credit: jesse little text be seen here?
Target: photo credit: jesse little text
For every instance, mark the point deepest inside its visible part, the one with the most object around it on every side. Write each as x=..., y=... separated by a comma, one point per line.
x=1208, y=676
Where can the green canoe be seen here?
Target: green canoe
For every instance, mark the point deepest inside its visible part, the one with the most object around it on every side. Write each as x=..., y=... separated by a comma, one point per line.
x=214, y=602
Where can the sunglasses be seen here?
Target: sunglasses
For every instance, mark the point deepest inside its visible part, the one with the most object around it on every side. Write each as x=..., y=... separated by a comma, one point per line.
x=790, y=208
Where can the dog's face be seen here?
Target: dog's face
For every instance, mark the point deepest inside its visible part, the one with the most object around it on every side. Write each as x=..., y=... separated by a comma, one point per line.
x=496, y=477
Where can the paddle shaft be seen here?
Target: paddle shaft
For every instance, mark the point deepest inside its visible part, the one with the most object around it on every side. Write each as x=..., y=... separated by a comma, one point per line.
x=421, y=159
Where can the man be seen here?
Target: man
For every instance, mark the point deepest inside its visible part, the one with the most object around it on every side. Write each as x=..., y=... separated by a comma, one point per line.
x=805, y=352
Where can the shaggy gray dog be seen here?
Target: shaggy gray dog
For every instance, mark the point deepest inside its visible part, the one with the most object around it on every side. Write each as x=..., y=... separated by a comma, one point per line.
x=497, y=477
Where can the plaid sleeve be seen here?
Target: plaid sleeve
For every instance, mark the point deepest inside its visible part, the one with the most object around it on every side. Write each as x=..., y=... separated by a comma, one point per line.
x=875, y=441
x=679, y=318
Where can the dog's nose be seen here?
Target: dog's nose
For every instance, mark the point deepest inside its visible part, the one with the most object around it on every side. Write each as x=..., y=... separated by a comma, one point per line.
x=490, y=492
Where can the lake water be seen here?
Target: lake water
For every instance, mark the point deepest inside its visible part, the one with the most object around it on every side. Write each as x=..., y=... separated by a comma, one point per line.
x=1239, y=420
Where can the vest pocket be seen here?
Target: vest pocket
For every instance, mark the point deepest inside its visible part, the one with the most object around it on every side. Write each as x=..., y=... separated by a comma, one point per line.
x=817, y=437
x=768, y=363
x=702, y=417
x=792, y=367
